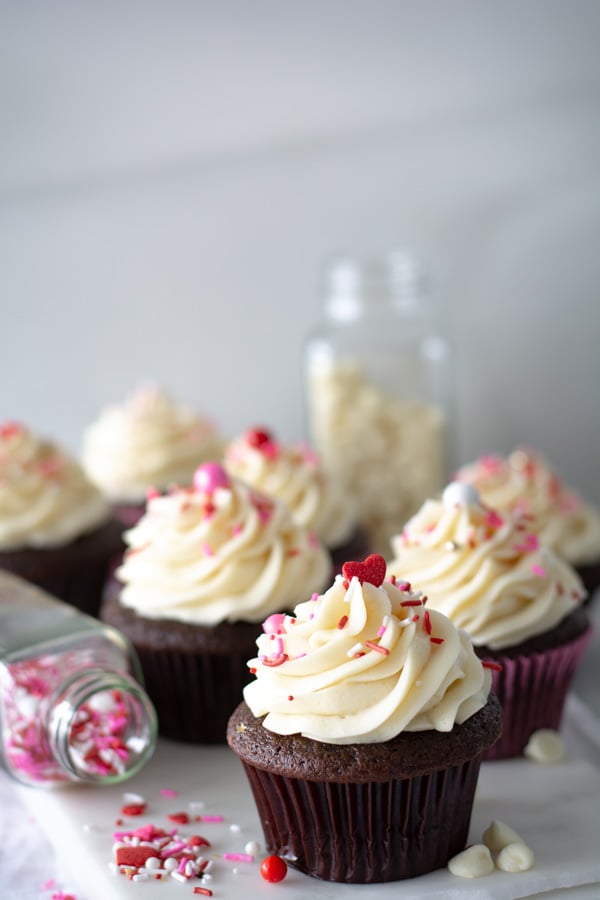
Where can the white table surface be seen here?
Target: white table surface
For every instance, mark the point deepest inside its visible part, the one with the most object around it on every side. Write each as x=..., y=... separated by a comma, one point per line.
x=66, y=835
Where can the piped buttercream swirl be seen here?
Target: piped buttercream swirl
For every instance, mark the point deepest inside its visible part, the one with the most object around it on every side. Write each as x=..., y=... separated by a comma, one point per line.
x=46, y=500
x=227, y=553
x=524, y=483
x=295, y=474
x=148, y=441
x=360, y=664
x=487, y=572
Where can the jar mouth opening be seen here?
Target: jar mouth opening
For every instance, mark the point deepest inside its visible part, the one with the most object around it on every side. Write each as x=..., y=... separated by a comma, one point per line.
x=397, y=279
x=102, y=726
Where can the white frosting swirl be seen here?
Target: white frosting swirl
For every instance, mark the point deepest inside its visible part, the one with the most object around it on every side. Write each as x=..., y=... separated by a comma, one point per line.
x=295, y=475
x=227, y=555
x=486, y=572
x=46, y=500
x=524, y=483
x=148, y=441
x=357, y=666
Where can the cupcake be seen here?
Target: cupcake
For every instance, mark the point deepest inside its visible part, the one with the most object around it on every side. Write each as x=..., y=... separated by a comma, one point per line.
x=518, y=600
x=295, y=474
x=203, y=566
x=56, y=528
x=149, y=442
x=363, y=730
x=525, y=484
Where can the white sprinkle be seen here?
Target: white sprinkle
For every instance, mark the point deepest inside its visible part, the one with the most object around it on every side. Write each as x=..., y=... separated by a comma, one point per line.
x=179, y=877
x=195, y=805
x=153, y=862
x=141, y=876
x=545, y=746
x=235, y=827
x=235, y=871
x=252, y=848
x=354, y=650
x=170, y=863
x=132, y=798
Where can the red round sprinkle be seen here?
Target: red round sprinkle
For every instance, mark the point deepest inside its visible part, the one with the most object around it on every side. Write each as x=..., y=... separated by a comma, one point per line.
x=181, y=818
x=273, y=869
x=133, y=809
x=371, y=570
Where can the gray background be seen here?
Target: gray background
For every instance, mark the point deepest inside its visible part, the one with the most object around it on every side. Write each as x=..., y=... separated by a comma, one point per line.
x=172, y=176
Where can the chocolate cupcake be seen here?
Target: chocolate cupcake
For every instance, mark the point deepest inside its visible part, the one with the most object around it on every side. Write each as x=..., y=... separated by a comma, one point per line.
x=519, y=602
x=363, y=732
x=203, y=566
x=56, y=529
x=295, y=474
x=524, y=484
x=149, y=442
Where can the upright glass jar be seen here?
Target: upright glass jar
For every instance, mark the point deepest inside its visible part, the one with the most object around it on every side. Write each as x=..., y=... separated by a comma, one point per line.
x=380, y=390
x=71, y=704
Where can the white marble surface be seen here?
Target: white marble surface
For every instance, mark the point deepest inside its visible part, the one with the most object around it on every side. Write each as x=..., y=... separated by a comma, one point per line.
x=43, y=834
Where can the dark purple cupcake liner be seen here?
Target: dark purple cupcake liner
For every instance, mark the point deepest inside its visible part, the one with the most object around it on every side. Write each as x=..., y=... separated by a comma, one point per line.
x=194, y=693
x=370, y=832
x=532, y=690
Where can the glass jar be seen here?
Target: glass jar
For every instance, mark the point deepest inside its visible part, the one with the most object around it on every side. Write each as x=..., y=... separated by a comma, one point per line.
x=379, y=390
x=71, y=704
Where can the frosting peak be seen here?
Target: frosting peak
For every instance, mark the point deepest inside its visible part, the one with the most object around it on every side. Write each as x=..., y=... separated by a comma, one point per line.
x=219, y=551
x=363, y=662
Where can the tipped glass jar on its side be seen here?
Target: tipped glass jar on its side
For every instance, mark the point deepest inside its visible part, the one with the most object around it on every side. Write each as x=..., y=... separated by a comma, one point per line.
x=72, y=707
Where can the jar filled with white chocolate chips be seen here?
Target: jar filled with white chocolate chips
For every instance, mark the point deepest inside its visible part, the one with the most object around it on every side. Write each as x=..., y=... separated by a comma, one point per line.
x=71, y=704
x=379, y=390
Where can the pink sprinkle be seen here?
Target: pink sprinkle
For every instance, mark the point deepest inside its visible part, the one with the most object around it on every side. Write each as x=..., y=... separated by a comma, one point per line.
x=207, y=549
x=373, y=646
x=48, y=885
x=152, y=493
x=529, y=544
x=237, y=529
x=212, y=818
x=239, y=857
x=168, y=792
x=538, y=570
x=313, y=540
x=314, y=597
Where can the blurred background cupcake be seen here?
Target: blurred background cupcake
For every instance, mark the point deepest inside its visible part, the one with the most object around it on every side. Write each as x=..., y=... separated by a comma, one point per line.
x=362, y=739
x=149, y=441
x=294, y=473
x=524, y=483
x=204, y=565
x=56, y=528
x=519, y=602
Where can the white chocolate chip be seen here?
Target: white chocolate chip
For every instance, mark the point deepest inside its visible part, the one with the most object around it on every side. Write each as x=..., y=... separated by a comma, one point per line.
x=498, y=835
x=516, y=857
x=474, y=862
x=545, y=746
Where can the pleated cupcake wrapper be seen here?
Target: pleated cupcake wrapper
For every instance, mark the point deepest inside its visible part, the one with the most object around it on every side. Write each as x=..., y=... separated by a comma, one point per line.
x=532, y=690
x=366, y=833
x=194, y=693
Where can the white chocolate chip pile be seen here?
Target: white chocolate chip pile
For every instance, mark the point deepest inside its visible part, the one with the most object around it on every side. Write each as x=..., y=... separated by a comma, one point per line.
x=502, y=849
x=545, y=746
x=389, y=453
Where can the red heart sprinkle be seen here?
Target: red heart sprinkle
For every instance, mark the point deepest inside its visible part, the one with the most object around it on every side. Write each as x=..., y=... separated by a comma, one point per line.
x=371, y=570
x=134, y=856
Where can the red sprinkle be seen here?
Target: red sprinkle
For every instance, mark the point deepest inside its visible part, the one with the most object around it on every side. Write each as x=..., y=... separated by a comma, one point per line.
x=273, y=869
x=181, y=818
x=273, y=661
x=134, y=856
x=197, y=840
x=290, y=697
x=206, y=892
x=411, y=603
x=371, y=570
x=133, y=809
x=427, y=618
x=488, y=664
x=392, y=579
x=342, y=622
x=435, y=640
x=373, y=646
